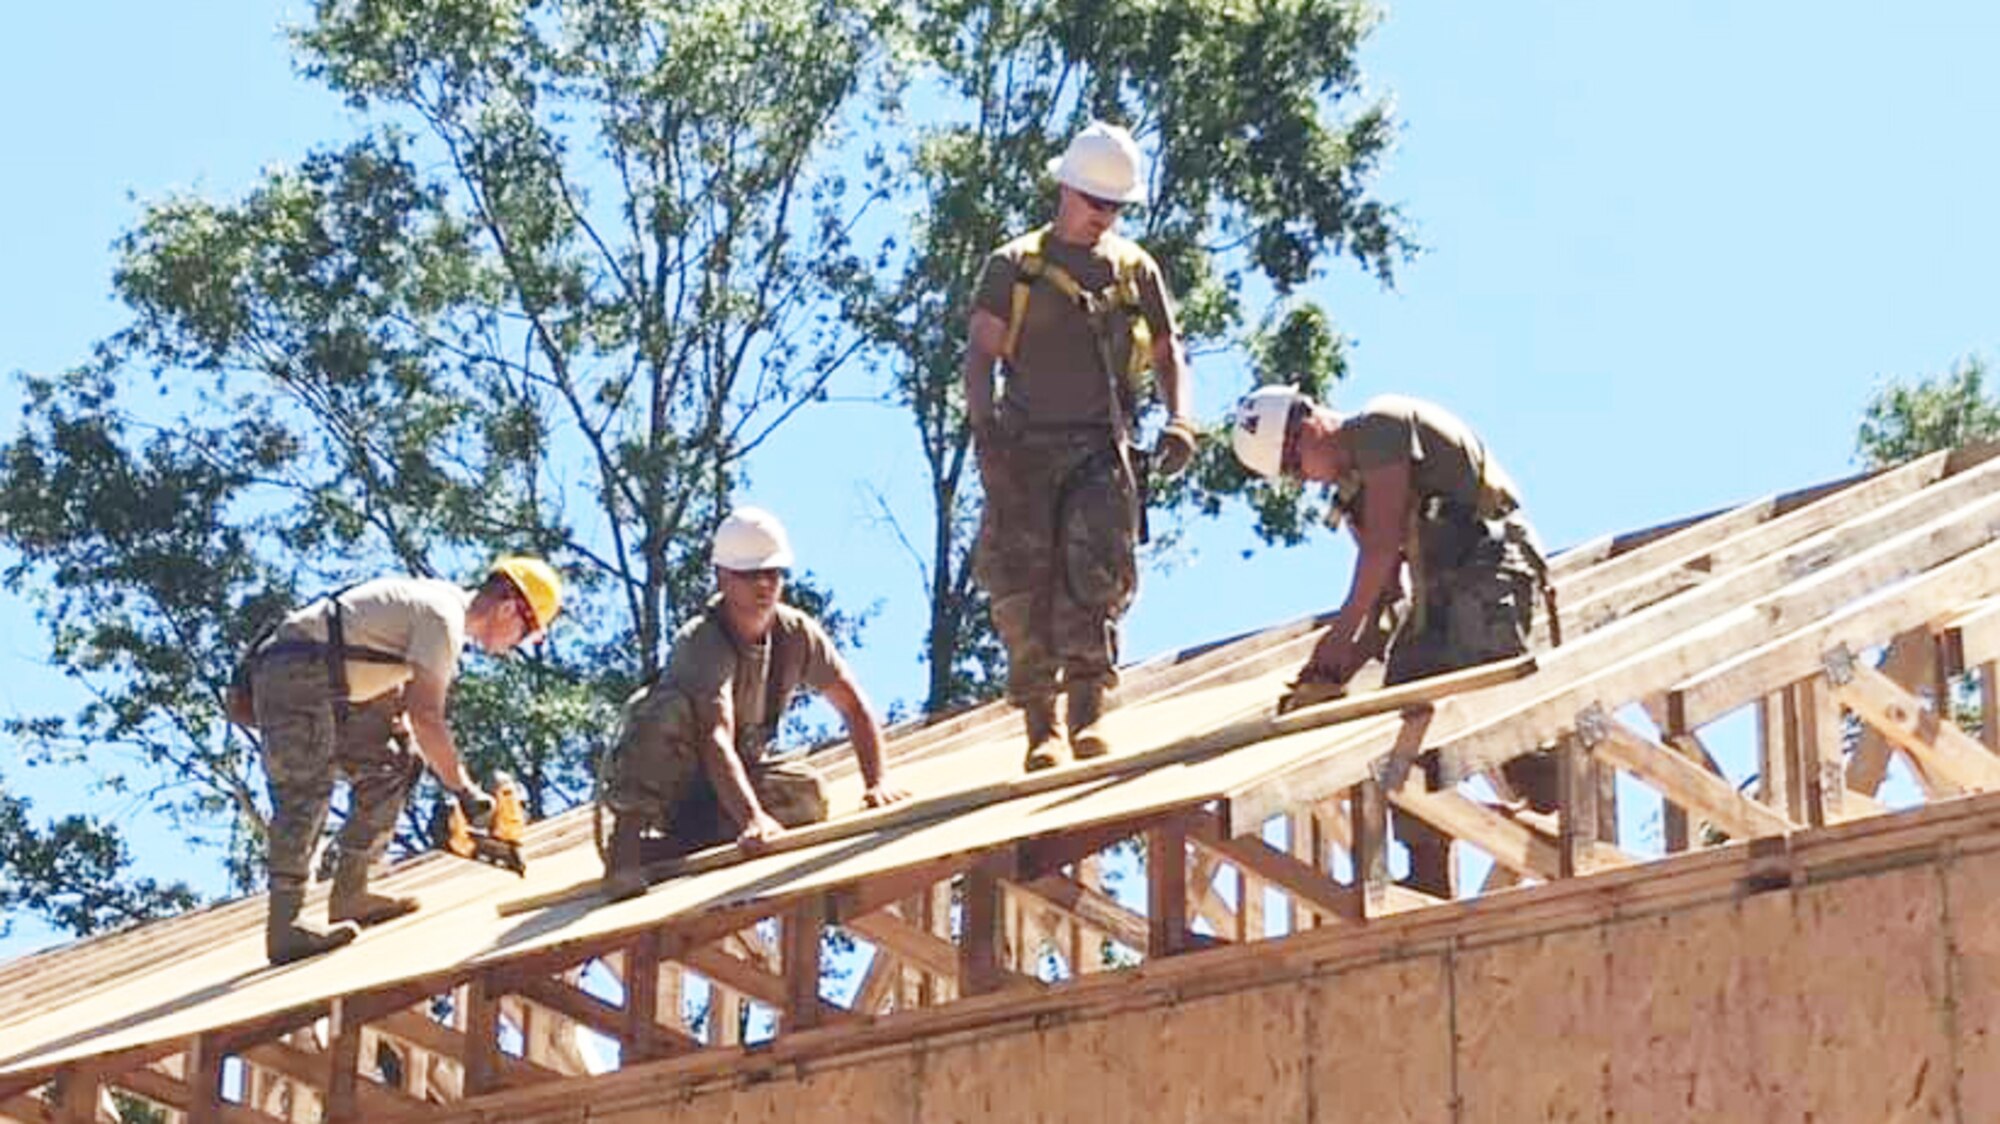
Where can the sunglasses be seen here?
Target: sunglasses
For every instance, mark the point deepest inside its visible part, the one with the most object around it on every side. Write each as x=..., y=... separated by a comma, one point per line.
x=1106, y=206
x=1288, y=459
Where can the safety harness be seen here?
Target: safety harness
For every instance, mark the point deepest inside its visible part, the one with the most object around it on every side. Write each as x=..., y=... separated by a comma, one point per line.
x=335, y=651
x=1121, y=295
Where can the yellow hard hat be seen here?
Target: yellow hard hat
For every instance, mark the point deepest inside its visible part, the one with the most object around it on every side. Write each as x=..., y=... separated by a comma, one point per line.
x=539, y=584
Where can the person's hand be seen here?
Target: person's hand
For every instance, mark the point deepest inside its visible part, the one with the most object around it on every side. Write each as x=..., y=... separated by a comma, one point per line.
x=1174, y=450
x=883, y=794
x=759, y=833
x=476, y=804
x=1335, y=659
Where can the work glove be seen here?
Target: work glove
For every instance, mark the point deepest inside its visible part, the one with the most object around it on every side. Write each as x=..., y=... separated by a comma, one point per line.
x=477, y=806
x=1174, y=450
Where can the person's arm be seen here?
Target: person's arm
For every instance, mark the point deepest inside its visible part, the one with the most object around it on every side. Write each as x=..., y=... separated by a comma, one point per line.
x=424, y=701
x=1378, y=533
x=985, y=336
x=866, y=736
x=730, y=779
x=1170, y=367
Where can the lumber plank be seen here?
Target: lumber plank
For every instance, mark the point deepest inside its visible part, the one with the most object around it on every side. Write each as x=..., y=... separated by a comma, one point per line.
x=1368, y=817
x=1945, y=751
x=1235, y=735
x=1090, y=907
x=801, y=927
x=341, y=1076
x=638, y=1028
x=481, y=1057
x=1911, y=662
x=1687, y=784
x=1578, y=773
x=982, y=952
x=27, y=1110
x=1511, y=844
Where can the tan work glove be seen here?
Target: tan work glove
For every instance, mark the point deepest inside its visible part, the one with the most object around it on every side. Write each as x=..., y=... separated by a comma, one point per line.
x=1174, y=450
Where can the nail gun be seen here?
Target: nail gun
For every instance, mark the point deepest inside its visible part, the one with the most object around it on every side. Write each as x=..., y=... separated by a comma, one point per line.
x=498, y=842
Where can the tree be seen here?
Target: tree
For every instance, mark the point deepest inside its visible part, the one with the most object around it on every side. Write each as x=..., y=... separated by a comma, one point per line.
x=571, y=273
x=1905, y=419
x=1264, y=147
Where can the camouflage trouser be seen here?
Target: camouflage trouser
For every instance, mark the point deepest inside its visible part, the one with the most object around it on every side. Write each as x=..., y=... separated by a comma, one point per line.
x=656, y=776
x=1056, y=554
x=1479, y=594
x=304, y=745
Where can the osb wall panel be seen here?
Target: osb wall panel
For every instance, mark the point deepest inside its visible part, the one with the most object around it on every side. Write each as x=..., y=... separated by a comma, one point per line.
x=1532, y=1039
x=1820, y=1005
x=1240, y=1056
x=876, y=1091
x=1381, y=1044
x=996, y=1077
x=1972, y=893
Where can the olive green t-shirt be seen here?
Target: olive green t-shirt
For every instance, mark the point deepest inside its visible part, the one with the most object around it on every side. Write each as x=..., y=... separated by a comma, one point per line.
x=750, y=684
x=1056, y=376
x=1446, y=458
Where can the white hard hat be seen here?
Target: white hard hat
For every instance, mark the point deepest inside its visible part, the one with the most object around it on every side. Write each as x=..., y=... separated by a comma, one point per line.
x=1259, y=432
x=1102, y=160
x=752, y=539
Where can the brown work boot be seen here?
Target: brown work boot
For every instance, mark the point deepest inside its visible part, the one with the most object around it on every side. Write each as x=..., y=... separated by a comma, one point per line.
x=624, y=862
x=351, y=901
x=286, y=938
x=1086, y=706
x=1046, y=748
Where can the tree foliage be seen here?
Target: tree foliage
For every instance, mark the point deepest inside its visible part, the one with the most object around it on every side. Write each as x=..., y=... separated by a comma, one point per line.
x=1906, y=419
x=567, y=277
x=1264, y=145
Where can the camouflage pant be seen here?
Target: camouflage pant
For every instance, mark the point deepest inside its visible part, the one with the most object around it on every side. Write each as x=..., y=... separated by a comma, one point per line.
x=1056, y=555
x=304, y=745
x=1478, y=605
x=656, y=776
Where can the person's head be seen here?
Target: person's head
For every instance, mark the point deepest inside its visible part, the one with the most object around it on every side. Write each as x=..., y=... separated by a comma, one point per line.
x=1280, y=432
x=1101, y=173
x=516, y=603
x=752, y=554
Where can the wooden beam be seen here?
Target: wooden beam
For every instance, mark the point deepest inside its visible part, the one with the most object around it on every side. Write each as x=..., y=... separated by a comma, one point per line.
x=885, y=971
x=428, y=1034
x=801, y=926
x=343, y=1065
x=1512, y=844
x=1312, y=887
x=982, y=953
x=1683, y=782
x=369, y=1100
x=1578, y=772
x=1944, y=750
x=748, y=979
x=1092, y=908
x=1822, y=753
x=1911, y=662
x=78, y=1093
x=1368, y=812
x=639, y=1030
x=906, y=943
x=481, y=1057
x=1166, y=890
x=27, y=1110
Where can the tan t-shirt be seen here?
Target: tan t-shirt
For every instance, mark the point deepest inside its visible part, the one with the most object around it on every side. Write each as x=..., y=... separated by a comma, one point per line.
x=1446, y=458
x=420, y=619
x=1055, y=376
x=750, y=684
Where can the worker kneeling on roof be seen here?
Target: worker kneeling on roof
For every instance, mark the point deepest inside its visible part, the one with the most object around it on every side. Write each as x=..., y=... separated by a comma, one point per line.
x=1078, y=315
x=696, y=742
x=1419, y=489
x=332, y=686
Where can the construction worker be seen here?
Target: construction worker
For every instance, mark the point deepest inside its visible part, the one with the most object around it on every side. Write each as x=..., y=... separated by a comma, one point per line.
x=1418, y=489
x=347, y=682
x=695, y=744
x=1077, y=314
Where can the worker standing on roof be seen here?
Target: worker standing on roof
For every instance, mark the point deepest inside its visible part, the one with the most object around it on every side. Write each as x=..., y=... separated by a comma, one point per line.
x=332, y=687
x=695, y=744
x=1077, y=314
x=1419, y=489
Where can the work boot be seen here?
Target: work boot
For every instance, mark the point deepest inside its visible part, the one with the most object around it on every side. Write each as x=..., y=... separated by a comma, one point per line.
x=625, y=862
x=1086, y=706
x=286, y=938
x=351, y=901
x=1046, y=748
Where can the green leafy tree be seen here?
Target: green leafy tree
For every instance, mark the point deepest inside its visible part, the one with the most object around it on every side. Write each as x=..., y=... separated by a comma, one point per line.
x=568, y=276
x=1263, y=149
x=1906, y=419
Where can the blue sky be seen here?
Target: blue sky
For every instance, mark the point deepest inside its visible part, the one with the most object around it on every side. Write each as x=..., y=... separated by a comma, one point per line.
x=1671, y=250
